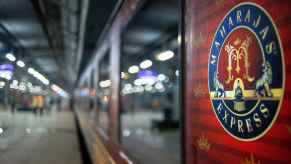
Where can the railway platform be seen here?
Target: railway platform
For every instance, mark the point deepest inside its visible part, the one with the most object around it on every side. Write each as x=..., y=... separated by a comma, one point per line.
x=29, y=139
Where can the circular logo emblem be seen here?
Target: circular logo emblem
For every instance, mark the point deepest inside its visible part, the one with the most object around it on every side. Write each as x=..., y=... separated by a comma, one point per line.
x=246, y=72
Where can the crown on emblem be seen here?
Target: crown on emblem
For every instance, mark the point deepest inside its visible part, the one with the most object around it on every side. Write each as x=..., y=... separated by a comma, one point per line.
x=203, y=143
x=250, y=160
x=238, y=54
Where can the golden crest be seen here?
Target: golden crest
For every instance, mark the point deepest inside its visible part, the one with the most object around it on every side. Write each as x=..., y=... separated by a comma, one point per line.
x=245, y=80
x=237, y=54
x=203, y=143
x=250, y=160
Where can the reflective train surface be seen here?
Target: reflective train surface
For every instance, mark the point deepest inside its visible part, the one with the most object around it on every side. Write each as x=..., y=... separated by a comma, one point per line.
x=189, y=81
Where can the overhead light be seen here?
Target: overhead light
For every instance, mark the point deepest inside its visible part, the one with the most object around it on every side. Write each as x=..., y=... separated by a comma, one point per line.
x=15, y=82
x=30, y=70
x=166, y=55
x=179, y=39
x=128, y=86
x=29, y=84
x=144, y=81
x=138, y=82
x=133, y=69
x=161, y=77
x=2, y=84
x=38, y=75
x=177, y=72
x=138, y=89
x=6, y=74
x=59, y=90
x=13, y=86
x=22, y=87
x=105, y=83
x=126, y=133
x=127, y=89
x=160, y=87
x=20, y=63
x=10, y=57
x=55, y=88
x=146, y=64
x=148, y=88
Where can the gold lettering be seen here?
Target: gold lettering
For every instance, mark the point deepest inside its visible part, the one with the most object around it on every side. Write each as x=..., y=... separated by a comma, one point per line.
x=222, y=31
x=264, y=32
x=217, y=45
x=225, y=116
x=264, y=110
x=232, y=121
x=248, y=16
x=270, y=47
x=249, y=125
x=219, y=108
x=230, y=23
x=256, y=23
x=257, y=119
x=213, y=59
x=240, y=126
x=238, y=15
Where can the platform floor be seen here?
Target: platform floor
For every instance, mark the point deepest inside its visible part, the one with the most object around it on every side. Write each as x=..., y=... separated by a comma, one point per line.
x=30, y=139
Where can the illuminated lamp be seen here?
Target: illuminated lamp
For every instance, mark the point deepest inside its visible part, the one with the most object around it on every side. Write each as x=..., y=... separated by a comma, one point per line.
x=166, y=55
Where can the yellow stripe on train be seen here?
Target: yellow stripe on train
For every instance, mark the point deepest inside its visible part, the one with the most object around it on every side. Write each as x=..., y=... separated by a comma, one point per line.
x=249, y=94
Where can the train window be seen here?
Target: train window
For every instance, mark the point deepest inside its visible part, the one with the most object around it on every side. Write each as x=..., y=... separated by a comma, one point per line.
x=104, y=91
x=150, y=111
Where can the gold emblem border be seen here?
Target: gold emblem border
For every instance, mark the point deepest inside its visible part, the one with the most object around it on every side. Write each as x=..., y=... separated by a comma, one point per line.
x=283, y=72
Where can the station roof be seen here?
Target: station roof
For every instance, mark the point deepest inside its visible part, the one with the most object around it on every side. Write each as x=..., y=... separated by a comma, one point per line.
x=49, y=35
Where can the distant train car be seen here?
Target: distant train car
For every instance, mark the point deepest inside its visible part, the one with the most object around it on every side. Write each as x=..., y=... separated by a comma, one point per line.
x=190, y=81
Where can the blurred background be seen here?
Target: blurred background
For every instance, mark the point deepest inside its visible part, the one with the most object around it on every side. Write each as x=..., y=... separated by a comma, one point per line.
x=46, y=48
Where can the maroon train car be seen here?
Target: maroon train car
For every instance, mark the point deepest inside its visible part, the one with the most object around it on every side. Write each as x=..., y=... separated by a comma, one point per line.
x=231, y=81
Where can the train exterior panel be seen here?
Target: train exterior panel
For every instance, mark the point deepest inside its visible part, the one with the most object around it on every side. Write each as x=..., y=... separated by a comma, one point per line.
x=216, y=132
x=235, y=82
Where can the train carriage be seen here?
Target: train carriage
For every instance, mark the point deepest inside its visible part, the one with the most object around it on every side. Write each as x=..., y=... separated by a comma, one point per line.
x=189, y=81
